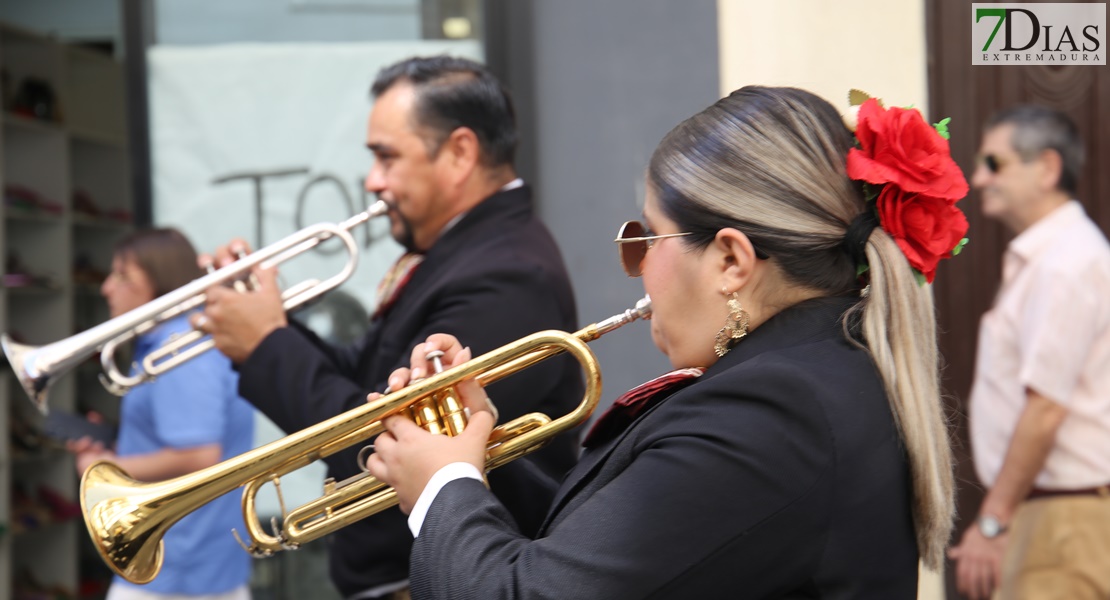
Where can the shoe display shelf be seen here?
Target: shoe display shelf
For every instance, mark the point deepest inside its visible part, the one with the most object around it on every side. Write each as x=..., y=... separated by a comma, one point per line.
x=66, y=182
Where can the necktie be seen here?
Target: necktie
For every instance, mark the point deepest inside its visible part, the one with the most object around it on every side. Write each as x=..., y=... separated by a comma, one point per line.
x=389, y=290
x=635, y=401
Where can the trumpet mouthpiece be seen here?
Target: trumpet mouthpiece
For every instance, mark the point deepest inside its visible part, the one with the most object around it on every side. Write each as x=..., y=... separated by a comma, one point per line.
x=642, y=310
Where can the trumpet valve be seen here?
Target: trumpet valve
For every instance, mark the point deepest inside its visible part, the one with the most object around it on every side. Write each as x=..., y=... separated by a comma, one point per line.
x=426, y=415
x=440, y=413
x=451, y=412
x=449, y=409
x=434, y=357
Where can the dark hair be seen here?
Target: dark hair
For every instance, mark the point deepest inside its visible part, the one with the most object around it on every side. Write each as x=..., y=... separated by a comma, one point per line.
x=1039, y=128
x=454, y=92
x=165, y=256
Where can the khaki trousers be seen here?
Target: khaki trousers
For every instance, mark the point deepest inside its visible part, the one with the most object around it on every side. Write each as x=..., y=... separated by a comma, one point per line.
x=1059, y=548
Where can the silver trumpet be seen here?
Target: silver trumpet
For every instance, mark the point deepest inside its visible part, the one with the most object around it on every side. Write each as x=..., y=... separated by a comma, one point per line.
x=37, y=367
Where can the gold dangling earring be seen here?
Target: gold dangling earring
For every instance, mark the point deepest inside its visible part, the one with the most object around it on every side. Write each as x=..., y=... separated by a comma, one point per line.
x=736, y=326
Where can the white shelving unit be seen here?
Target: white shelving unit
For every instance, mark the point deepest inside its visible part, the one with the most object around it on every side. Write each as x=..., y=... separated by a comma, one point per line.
x=65, y=176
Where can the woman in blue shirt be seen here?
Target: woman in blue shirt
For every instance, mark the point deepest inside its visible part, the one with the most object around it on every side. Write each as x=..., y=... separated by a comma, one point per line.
x=187, y=419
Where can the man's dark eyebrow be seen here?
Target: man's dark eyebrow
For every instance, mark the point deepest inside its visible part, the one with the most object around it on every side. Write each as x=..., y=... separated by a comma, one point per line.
x=377, y=147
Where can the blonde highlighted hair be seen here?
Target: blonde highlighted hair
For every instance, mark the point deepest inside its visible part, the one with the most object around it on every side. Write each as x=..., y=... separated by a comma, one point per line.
x=770, y=162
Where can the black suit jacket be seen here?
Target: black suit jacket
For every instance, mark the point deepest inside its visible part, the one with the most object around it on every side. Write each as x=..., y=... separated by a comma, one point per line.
x=492, y=278
x=778, y=474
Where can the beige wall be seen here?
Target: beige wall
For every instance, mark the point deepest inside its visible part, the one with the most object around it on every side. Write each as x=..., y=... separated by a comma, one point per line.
x=826, y=47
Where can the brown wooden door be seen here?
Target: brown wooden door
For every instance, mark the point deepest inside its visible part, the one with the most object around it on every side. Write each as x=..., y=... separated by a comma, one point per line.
x=965, y=286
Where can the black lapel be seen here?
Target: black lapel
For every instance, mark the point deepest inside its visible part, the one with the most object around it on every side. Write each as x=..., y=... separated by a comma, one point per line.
x=500, y=213
x=795, y=325
x=497, y=215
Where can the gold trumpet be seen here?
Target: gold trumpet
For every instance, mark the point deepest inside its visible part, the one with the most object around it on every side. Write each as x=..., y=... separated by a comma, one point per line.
x=127, y=519
x=38, y=367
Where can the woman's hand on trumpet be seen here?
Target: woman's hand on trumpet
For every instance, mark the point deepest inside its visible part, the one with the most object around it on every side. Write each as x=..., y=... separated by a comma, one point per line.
x=239, y=318
x=405, y=455
x=87, y=451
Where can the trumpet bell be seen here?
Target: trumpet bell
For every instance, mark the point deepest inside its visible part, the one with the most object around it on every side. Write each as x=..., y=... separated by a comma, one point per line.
x=22, y=359
x=117, y=519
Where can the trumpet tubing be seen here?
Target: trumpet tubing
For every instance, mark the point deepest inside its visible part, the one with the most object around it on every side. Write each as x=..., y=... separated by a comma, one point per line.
x=37, y=367
x=127, y=519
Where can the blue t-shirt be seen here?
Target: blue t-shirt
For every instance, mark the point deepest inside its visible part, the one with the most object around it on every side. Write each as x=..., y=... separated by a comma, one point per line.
x=194, y=404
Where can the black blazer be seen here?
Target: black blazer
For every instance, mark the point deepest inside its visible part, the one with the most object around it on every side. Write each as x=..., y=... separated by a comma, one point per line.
x=778, y=474
x=494, y=277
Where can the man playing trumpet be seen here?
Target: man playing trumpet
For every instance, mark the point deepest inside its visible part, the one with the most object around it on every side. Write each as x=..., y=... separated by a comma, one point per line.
x=478, y=265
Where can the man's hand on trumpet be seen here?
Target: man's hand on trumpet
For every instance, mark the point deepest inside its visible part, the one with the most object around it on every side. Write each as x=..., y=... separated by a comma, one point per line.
x=239, y=318
x=406, y=456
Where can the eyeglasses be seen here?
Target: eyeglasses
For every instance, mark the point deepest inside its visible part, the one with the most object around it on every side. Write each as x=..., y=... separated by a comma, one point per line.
x=633, y=244
x=992, y=162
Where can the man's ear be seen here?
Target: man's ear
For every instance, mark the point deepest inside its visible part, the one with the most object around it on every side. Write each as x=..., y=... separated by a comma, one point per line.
x=461, y=153
x=1051, y=169
x=735, y=258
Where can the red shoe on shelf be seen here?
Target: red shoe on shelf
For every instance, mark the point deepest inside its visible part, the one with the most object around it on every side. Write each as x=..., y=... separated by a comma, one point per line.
x=28, y=200
x=59, y=507
x=83, y=203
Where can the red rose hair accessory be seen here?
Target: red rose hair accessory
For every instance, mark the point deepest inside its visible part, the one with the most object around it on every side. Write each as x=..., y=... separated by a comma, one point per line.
x=910, y=182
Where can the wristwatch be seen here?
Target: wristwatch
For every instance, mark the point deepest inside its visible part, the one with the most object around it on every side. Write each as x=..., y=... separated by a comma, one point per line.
x=990, y=527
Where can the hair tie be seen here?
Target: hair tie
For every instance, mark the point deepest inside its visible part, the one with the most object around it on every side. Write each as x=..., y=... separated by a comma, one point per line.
x=859, y=231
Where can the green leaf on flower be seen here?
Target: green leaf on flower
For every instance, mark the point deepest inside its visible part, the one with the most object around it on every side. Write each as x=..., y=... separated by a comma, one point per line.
x=942, y=127
x=921, y=281
x=870, y=192
x=959, y=247
x=861, y=269
x=857, y=97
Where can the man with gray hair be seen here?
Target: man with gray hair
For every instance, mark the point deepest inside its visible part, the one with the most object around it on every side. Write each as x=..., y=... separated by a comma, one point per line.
x=1040, y=402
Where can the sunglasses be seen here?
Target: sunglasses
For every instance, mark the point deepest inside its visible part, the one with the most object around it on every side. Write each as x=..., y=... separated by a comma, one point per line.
x=633, y=241
x=992, y=163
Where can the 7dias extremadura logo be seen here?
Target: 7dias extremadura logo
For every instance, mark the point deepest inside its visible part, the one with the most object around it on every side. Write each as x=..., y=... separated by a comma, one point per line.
x=1038, y=34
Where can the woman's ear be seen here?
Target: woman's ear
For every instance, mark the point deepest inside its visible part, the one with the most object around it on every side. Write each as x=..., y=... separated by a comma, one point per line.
x=735, y=258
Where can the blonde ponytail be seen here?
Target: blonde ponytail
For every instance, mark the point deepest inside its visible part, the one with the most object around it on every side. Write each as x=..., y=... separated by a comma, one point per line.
x=899, y=326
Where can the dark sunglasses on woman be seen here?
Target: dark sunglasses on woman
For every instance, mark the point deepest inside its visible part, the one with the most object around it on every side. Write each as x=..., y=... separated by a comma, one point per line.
x=633, y=241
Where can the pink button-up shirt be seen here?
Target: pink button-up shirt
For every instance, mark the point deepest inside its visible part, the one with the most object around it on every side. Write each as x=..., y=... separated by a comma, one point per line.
x=1049, y=331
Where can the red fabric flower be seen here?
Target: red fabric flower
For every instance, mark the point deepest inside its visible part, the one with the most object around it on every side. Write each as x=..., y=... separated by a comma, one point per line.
x=898, y=147
x=926, y=228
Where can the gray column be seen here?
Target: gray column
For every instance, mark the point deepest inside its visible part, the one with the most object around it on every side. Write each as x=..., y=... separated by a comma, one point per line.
x=598, y=84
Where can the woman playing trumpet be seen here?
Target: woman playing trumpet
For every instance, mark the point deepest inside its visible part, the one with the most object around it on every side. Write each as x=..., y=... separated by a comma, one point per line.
x=799, y=448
